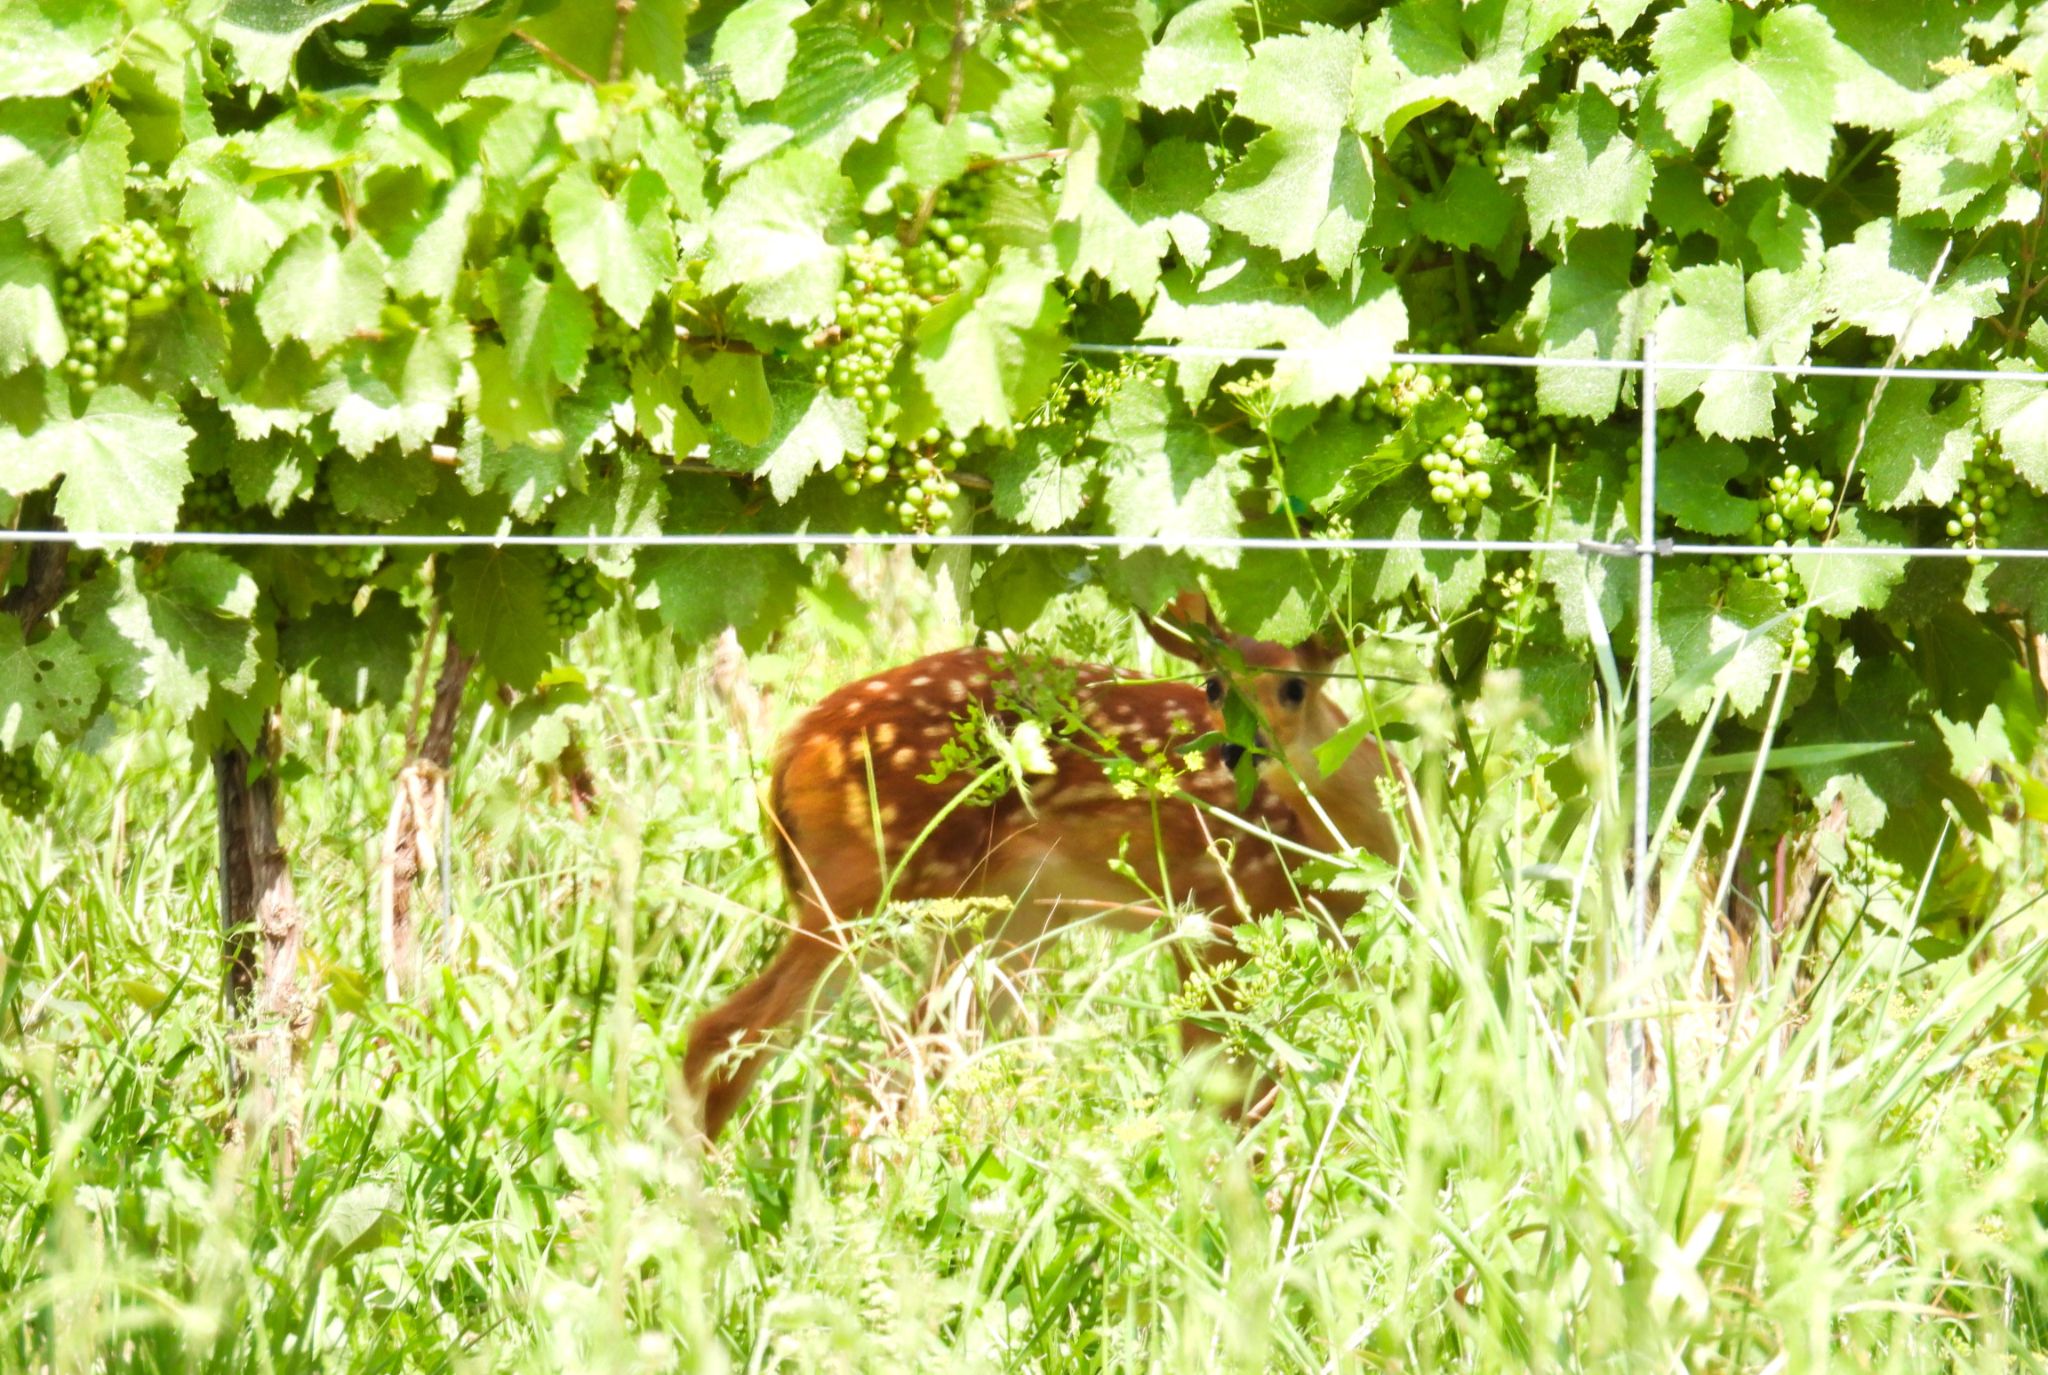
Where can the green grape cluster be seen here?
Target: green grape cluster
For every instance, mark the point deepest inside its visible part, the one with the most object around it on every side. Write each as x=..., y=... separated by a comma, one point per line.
x=623, y=344
x=24, y=789
x=1800, y=651
x=349, y=563
x=1032, y=49
x=210, y=503
x=1454, y=139
x=124, y=273
x=1982, y=501
x=1797, y=503
x=1456, y=481
x=889, y=288
x=575, y=593
x=923, y=468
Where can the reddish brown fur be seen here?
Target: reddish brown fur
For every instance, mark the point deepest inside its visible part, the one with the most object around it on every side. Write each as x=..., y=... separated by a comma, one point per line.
x=872, y=740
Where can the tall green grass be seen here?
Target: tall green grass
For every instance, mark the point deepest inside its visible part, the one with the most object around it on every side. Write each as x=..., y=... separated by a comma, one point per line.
x=1842, y=1168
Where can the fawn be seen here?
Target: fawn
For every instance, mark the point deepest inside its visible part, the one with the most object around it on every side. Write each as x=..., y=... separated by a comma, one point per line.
x=851, y=795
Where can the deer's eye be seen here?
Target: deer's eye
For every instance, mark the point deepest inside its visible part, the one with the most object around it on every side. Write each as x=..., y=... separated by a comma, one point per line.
x=1213, y=690
x=1293, y=692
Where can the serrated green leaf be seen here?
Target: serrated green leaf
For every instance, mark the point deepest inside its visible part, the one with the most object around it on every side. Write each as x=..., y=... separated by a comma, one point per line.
x=122, y=462
x=755, y=45
x=1780, y=94
x=1096, y=230
x=987, y=355
x=1880, y=283
x=428, y=253
x=1588, y=308
x=1962, y=147
x=1424, y=52
x=733, y=388
x=807, y=430
x=1200, y=52
x=700, y=591
x=548, y=324
x=498, y=609
x=30, y=330
x=768, y=238
x=1340, y=338
x=1164, y=476
x=402, y=389
x=623, y=246
x=1701, y=615
x=63, y=171
x=1841, y=586
x=1692, y=486
x=172, y=638
x=321, y=293
x=1306, y=186
x=233, y=221
x=51, y=47
x=1912, y=454
x=265, y=35
x=1471, y=209
x=1043, y=482
x=2017, y=412
x=46, y=686
x=355, y=659
x=625, y=497
x=1718, y=317
x=852, y=88
x=1590, y=172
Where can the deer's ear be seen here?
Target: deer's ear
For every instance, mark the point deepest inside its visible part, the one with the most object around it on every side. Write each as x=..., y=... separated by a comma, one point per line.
x=1183, y=628
x=1320, y=651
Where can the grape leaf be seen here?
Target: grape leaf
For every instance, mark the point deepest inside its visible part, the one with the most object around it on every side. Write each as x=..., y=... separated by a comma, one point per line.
x=1587, y=308
x=622, y=245
x=1840, y=586
x=1423, y=52
x=755, y=45
x=625, y=497
x=168, y=639
x=1720, y=318
x=123, y=464
x=1692, y=487
x=809, y=431
x=1165, y=477
x=698, y=591
x=51, y=47
x=1700, y=615
x=1306, y=185
x=1096, y=231
x=402, y=388
x=266, y=34
x=1780, y=94
x=848, y=94
x=46, y=686
x=1879, y=282
x=320, y=293
x=63, y=185
x=30, y=331
x=548, y=324
x=1962, y=147
x=1043, y=482
x=1200, y=52
x=987, y=355
x=768, y=239
x=2017, y=412
x=498, y=609
x=733, y=388
x=1589, y=174
x=1912, y=454
x=234, y=222
x=1471, y=209
x=355, y=658
x=1337, y=335
x=428, y=253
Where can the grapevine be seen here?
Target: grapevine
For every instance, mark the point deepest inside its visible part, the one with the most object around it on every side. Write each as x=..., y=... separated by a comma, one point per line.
x=126, y=272
x=1035, y=50
x=24, y=789
x=346, y=563
x=1457, y=436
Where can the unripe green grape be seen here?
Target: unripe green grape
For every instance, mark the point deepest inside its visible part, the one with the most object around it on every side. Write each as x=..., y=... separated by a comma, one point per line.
x=24, y=790
x=574, y=593
x=124, y=272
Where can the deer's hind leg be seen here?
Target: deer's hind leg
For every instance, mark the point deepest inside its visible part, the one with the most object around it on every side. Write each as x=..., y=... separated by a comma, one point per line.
x=728, y=1046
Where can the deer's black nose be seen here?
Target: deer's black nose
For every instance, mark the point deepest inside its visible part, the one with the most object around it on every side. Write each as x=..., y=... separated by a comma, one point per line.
x=1232, y=752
